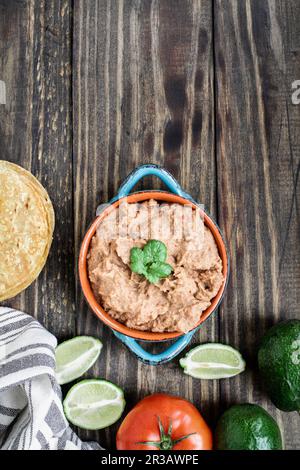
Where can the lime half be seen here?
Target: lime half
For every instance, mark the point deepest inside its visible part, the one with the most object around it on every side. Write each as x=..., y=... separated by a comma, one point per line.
x=213, y=361
x=94, y=404
x=75, y=356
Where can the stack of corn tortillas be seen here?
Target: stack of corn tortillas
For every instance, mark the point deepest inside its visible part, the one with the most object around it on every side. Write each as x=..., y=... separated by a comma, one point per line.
x=26, y=228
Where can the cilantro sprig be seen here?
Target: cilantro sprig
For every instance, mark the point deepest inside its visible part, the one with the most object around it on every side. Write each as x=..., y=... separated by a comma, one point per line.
x=150, y=261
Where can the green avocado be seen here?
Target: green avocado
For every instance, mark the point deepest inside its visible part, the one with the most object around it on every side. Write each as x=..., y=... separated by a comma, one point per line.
x=279, y=364
x=247, y=427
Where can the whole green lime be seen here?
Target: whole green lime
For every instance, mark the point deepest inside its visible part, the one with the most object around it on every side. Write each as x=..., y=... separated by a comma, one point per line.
x=247, y=427
x=279, y=364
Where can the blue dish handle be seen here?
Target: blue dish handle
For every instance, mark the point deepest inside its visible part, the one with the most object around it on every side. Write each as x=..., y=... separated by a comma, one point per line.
x=173, y=185
x=150, y=170
x=155, y=359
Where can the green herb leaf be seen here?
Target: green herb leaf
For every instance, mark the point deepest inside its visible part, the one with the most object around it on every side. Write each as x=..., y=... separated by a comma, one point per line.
x=160, y=269
x=153, y=278
x=155, y=251
x=137, y=261
x=150, y=261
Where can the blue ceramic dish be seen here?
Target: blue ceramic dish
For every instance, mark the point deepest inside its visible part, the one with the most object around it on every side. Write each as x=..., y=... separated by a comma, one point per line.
x=127, y=335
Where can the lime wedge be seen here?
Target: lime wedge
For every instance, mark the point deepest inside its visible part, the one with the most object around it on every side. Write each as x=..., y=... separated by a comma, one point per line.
x=213, y=361
x=94, y=404
x=75, y=356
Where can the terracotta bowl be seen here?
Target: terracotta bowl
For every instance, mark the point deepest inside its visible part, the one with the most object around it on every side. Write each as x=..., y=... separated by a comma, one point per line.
x=83, y=274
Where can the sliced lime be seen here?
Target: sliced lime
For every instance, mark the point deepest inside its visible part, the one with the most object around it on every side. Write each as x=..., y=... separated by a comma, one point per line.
x=213, y=361
x=75, y=356
x=94, y=404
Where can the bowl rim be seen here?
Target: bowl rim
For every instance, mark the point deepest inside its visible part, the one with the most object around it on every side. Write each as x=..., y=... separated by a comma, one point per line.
x=141, y=196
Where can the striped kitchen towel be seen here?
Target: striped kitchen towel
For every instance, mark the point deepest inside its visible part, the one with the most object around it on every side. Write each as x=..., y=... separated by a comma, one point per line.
x=31, y=413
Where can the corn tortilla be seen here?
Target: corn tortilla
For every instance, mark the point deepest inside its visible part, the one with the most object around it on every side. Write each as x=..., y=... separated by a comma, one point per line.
x=26, y=228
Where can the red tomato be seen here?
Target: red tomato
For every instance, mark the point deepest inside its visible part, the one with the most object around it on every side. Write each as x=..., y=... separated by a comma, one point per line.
x=164, y=422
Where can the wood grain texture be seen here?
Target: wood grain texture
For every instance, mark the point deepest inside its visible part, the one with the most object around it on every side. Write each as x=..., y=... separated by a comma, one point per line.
x=35, y=132
x=142, y=92
x=258, y=161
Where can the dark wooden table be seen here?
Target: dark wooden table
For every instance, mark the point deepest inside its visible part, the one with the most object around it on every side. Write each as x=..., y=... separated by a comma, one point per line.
x=202, y=87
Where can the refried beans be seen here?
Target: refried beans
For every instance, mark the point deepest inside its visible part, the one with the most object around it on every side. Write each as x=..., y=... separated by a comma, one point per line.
x=174, y=304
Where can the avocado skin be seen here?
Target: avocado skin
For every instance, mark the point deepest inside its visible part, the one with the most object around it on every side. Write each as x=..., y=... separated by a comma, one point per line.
x=247, y=427
x=279, y=364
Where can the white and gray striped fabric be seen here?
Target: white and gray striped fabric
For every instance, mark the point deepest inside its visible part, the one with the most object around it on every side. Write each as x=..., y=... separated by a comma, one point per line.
x=31, y=413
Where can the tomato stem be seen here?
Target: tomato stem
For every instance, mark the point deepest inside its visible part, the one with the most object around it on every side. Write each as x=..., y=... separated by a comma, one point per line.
x=166, y=442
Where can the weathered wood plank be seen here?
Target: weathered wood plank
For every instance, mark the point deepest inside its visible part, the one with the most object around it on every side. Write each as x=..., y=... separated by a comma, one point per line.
x=143, y=92
x=35, y=132
x=258, y=160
